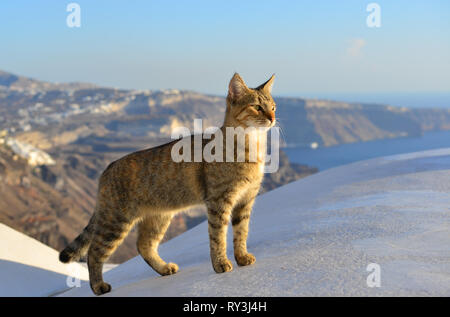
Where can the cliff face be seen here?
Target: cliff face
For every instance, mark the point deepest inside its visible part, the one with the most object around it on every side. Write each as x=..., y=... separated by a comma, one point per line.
x=287, y=172
x=332, y=123
x=42, y=201
x=430, y=119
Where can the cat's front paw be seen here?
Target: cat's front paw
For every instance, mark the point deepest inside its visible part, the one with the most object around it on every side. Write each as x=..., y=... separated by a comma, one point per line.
x=245, y=259
x=101, y=288
x=223, y=265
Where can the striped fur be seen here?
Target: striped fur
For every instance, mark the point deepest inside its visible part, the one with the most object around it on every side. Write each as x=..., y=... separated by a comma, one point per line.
x=147, y=188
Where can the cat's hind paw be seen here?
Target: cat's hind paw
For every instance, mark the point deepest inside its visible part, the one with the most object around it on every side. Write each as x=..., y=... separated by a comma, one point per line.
x=169, y=269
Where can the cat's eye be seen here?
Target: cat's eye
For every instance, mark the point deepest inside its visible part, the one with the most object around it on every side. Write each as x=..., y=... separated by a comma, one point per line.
x=258, y=108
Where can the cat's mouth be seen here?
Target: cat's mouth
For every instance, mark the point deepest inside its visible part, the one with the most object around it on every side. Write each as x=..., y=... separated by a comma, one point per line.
x=266, y=123
x=269, y=123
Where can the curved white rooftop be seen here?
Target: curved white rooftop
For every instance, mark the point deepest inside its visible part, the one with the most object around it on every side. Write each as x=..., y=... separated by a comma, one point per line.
x=317, y=237
x=30, y=268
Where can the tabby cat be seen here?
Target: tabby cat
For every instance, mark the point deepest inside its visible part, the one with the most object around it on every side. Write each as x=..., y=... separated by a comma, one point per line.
x=147, y=188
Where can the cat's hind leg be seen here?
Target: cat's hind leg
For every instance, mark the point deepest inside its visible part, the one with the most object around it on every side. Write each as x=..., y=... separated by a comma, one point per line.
x=111, y=229
x=150, y=233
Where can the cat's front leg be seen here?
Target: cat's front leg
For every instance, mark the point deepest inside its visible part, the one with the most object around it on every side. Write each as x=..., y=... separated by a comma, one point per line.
x=240, y=221
x=217, y=227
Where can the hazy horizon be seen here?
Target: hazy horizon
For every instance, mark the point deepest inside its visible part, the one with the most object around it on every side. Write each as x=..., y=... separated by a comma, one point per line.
x=417, y=99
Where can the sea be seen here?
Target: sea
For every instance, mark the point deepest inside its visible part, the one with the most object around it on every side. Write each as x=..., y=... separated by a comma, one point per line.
x=327, y=157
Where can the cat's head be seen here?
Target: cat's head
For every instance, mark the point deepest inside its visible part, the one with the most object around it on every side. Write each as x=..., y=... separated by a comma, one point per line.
x=250, y=107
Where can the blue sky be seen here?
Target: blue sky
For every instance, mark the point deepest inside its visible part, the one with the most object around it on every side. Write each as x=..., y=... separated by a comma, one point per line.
x=312, y=46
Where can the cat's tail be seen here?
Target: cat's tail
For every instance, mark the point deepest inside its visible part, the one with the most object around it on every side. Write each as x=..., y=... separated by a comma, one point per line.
x=78, y=247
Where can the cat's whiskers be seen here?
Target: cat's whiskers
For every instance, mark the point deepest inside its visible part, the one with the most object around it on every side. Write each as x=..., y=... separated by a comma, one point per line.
x=277, y=125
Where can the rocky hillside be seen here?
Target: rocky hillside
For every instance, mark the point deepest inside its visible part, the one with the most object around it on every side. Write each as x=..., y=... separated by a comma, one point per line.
x=48, y=115
x=24, y=84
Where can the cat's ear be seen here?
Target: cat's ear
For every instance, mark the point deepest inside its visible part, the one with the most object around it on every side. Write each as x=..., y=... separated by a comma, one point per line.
x=237, y=88
x=267, y=86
